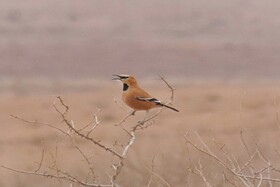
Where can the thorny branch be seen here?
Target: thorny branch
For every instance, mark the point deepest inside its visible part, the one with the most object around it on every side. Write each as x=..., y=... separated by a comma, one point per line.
x=140, y=125
x=42, y=157
x=53, y=171
x=232, y=166
x=77, y=132
x=65, y=176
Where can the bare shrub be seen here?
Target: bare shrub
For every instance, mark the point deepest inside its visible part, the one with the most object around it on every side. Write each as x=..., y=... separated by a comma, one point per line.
x=216, y=166
x=77, y=134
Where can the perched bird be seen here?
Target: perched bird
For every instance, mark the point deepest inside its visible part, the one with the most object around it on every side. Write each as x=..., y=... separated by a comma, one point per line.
x=137, y=98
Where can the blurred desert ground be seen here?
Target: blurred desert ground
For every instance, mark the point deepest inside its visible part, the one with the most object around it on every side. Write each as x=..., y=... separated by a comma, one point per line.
x=216, y=111
x=222, y=57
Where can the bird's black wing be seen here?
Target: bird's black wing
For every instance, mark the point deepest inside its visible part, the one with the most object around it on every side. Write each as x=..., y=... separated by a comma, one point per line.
x=156, y=101
x=153, y=100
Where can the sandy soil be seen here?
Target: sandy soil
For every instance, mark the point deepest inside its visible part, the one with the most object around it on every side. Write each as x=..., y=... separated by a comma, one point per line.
x=216, y=111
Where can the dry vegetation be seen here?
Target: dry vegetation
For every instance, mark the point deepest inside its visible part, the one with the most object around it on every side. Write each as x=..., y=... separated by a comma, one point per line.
x=224, y=135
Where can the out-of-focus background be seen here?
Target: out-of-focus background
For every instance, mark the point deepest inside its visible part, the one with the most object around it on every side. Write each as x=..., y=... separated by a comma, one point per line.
x=221, y=56
x=190, y=39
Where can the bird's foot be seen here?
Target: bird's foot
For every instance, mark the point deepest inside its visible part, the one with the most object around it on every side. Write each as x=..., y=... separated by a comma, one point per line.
x=141, y=123
x=133, y=113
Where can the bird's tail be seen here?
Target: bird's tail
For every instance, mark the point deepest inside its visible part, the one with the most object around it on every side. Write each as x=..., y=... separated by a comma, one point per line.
x=169, y=107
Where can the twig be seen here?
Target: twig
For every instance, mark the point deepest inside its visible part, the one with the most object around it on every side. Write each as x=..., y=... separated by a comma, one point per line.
x=96, y=122
x=256, y=178
x=84, y=156
x=170, y=88
x=125, y=118
x=66, y=177
x=118, y=167
x=212, y=155
x=120, y=105
x=226, y=179
x=245, y=145
x=159, y=177
x=201, y=174
x=39, y=123
x=65, y=120
x=53, y=170
x=152, y=169
x=42, y=157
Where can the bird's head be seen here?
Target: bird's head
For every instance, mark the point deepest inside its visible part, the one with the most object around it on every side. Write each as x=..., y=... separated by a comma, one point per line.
x=126, y=79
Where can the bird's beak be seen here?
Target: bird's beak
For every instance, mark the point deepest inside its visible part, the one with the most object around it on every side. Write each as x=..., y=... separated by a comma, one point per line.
x=118, y=77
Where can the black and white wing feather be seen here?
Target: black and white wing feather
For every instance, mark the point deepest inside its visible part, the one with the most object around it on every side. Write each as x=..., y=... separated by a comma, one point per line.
x=153, y=100
x=156, y=101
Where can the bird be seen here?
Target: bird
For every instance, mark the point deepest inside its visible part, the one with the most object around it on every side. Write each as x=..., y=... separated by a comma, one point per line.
x=136, y=97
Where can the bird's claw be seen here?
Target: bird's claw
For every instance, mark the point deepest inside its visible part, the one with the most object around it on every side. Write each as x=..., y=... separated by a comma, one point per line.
x=141, y=123
x=133, y=112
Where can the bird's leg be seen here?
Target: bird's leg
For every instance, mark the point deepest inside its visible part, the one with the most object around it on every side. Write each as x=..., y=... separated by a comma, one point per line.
x=143, y=121
x=133, y=113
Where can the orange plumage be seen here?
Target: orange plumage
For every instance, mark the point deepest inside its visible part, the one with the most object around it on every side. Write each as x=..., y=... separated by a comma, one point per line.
x=137, y=98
